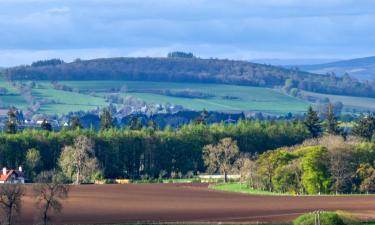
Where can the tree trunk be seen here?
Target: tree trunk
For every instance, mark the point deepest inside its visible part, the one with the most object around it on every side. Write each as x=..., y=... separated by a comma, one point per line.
x=225, y=177
x=78, y=176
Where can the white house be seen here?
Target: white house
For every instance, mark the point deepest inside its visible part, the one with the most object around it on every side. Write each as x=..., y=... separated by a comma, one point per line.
x=12, y=176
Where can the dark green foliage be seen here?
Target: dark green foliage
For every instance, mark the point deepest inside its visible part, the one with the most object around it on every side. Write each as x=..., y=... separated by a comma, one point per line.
x=365, y=127
x=46, y=125
x=183, y=67
x=75, y=123
x=11, y=124
x=106, y=121
x=312, y=122
x=180, y=55
x=331, y=124
x=135, y=123
x=202, y=118
x=152, y=125
x=132, y=153
x=50, y=62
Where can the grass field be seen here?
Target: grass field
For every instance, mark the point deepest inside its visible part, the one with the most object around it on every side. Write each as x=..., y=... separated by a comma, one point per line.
x=241, y=188
x=245, y=98
x=248, y=98
x=348, y=101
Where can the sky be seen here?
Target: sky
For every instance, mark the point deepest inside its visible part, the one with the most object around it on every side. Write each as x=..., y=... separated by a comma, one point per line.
x=31, y=30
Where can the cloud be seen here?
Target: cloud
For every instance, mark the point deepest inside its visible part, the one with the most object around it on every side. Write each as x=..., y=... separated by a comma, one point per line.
x=62, y=10
x=216, y=28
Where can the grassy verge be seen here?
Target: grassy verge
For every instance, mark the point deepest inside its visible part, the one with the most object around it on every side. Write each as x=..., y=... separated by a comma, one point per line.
x=237, y=187
x=241, y=188
x=167, y=181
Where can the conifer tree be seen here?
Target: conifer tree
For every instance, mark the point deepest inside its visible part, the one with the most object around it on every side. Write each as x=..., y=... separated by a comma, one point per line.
x=75, y=123
x=331, y=124
x=312, y=122
x=106, y=121
x=365, y=127
x=11, y=125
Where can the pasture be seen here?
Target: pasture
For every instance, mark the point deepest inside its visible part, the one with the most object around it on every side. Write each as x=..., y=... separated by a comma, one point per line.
x=189, y=203
x=92, y=95
x=245, y=98
x=350, y=102
x=89, y=95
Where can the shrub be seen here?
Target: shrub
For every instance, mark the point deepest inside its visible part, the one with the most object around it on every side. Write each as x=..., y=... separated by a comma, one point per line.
x=326, y=218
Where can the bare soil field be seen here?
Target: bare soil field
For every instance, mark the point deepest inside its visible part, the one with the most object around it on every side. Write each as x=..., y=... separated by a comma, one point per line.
x=188, y=203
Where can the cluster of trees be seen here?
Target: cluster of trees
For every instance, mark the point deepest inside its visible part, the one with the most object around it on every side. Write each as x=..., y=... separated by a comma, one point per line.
x=48, y=193
x=183, y=68
x=330, y=164
x=141, y=152
x=49, y=62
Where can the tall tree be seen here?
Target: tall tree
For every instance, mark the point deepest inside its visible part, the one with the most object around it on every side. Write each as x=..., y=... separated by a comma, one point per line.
x=75, y=123
x=79, y=160
x=10, y=201
x=365, y=127
x=202, y=118
x=341, y=167
x=331, y=124
x=106, y=121
x=316, y=177
x=135, y=123
x=152, y=125
x=11, y=125
x=49, y=191
x=33, y=162
x=221, y=157
x=366, y=174
x=312, y=122
x=46, y=125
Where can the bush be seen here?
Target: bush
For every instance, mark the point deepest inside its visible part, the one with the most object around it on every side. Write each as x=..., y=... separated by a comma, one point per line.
x=326, y=218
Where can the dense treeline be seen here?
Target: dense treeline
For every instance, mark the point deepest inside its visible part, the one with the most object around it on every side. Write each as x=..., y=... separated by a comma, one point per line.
x=182, y=69
x=147, y=152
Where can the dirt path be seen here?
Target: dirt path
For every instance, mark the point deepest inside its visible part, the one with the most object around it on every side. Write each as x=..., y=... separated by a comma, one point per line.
x=96, y=204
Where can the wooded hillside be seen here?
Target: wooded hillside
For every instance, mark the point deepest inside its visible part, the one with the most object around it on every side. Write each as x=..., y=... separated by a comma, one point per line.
x=192, y=70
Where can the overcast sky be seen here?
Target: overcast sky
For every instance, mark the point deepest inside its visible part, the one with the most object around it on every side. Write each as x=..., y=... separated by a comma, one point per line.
x=236, y=29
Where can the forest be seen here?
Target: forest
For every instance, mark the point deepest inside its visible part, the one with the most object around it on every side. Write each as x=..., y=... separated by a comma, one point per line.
x=306, y=156
x=136, y=153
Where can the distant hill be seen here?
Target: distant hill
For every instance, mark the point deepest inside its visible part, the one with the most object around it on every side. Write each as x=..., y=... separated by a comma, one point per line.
x=195, y=70
x=293, y=61
x=361, y=68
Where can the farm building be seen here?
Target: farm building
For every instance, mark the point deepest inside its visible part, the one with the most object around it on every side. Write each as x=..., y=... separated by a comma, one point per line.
x=12, y=176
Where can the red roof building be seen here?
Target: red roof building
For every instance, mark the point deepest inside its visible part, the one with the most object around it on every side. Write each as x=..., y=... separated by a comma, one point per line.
x=12, y=176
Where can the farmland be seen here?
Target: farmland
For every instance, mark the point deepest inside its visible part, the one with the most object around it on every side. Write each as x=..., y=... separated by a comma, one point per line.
x=89, y=95
x=349, y=102
x=190, y=203
x=92, y=95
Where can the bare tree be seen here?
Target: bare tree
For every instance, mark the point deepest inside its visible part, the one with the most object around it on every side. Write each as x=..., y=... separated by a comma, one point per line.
x=341, y=168
x=49, y=191
x=221, y=157
x=10, y=201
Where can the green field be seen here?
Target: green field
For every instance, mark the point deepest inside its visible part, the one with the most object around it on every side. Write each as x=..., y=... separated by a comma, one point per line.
x=241, y=188
x=248, y=98
x=92, y=95
x=243, y=98
x=348, y=101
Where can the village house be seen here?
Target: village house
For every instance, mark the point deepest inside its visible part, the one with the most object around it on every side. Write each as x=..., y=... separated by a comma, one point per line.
x=12, y=176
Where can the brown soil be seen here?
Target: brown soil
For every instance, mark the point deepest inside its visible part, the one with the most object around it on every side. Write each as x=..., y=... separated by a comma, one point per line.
x=188, y=203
